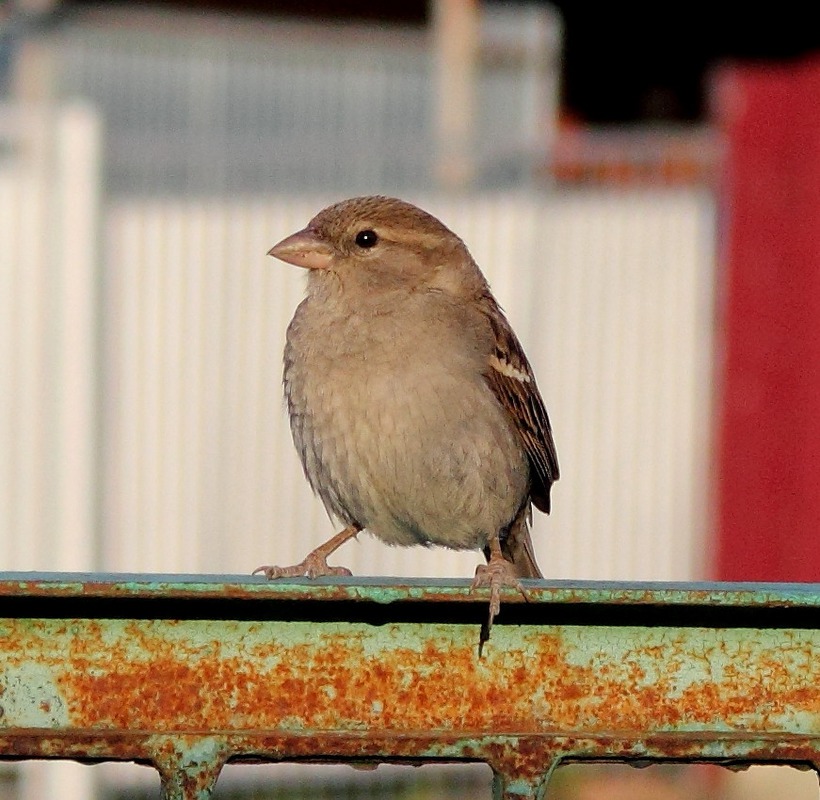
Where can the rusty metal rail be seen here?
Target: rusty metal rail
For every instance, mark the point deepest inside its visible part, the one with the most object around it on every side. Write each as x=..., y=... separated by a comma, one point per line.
x=189, y=672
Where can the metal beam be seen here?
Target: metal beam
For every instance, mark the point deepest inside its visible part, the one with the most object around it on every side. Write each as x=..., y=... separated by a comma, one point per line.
x=187, y=672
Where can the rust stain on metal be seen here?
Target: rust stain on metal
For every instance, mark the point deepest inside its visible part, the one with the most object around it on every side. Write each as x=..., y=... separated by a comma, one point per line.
x=166, y=675
x=189, y=765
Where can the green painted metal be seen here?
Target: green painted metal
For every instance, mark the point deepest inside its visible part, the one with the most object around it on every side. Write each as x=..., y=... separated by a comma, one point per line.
x=188, y=672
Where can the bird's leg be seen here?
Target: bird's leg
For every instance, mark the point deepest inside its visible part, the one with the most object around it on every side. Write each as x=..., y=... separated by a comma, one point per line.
x=496, y=573
x=315, y=563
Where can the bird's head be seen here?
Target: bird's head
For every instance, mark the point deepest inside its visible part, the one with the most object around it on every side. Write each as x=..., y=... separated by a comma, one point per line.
x=381, y=244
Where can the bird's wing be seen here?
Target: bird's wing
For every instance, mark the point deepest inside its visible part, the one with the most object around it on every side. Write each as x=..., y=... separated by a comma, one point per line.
x=511, y=378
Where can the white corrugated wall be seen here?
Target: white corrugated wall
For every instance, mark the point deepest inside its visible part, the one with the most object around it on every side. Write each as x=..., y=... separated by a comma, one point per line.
x=48, y=303
x=49, y=184
x=139, y=391
x=610, y=293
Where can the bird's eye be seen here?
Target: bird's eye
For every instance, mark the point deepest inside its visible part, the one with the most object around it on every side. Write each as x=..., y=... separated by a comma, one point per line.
x=366, y=238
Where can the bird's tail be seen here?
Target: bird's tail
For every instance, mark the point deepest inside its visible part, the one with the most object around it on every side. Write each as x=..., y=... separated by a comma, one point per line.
x=517, y=548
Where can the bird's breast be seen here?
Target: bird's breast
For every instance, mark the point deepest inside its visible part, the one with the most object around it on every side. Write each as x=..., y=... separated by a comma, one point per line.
x=398, y=431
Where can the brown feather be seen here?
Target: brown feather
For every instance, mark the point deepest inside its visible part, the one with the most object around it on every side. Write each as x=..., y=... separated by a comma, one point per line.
x=520, y=396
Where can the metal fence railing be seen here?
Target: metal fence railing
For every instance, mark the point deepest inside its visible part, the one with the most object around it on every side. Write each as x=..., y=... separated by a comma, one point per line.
x=188, y=673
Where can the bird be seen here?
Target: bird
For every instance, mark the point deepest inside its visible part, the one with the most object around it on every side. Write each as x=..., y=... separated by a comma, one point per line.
x=413, y=408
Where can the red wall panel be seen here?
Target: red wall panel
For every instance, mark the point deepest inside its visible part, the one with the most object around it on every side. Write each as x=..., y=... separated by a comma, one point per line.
x=768, y=427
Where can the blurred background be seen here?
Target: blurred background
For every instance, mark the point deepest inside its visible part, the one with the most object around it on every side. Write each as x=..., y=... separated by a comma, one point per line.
x=642, y=190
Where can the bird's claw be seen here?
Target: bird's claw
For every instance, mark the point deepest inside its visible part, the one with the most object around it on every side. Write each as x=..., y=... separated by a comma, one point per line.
x=314, y=566
x=496, y=574
x=315, y=563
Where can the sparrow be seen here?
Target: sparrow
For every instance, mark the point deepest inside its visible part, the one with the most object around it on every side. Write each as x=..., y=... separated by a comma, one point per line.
x=413, y=408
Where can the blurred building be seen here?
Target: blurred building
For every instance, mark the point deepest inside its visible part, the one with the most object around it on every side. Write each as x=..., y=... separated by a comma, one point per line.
x=202, y=104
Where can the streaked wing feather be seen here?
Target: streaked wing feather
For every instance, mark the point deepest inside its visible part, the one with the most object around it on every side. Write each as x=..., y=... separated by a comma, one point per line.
x=511, y=378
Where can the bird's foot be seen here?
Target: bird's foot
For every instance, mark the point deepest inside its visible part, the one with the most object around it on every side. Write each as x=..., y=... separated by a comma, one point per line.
x=314, y=566
x=497, y=574
x=315, y=563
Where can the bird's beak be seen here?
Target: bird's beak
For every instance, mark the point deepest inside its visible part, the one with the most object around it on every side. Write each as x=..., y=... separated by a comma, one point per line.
x=303, y=249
